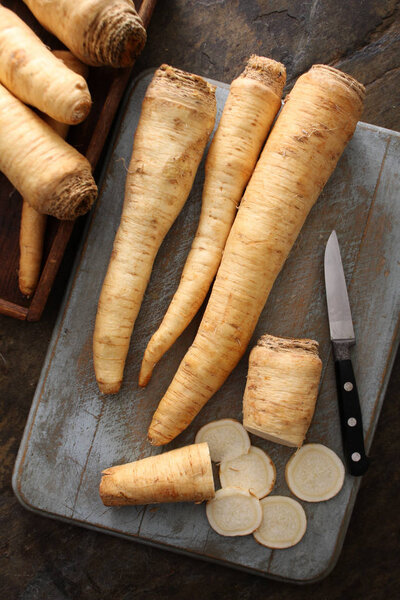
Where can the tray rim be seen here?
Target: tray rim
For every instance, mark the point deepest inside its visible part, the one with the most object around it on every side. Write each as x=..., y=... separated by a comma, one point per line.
x=20, y=460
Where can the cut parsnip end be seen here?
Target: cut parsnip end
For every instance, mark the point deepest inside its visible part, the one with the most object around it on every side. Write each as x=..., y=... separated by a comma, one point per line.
x=283, y=524
x=315, y=473
x=234, y=512
x=226, y=439
x=253, y=471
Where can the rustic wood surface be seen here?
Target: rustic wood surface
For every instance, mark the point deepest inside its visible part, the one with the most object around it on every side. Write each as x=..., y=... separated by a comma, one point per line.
x=44, y=559
x=107, y=87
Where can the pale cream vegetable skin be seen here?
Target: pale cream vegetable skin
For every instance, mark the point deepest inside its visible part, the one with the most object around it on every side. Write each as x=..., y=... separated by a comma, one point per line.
x=33, y=74
x=33, y=223
x=281, y=389
x=254, y=472
x=283, y=523
x=310, y=134
x=253, y=101
x=226, y=438
x=48, y=173
x=181, y=475
x=234, y=512
x=98, y=32
x=315, y=473
x=177, y=117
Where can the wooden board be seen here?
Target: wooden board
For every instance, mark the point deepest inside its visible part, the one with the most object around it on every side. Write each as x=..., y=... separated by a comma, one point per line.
x=107, y=87
x=73, y=433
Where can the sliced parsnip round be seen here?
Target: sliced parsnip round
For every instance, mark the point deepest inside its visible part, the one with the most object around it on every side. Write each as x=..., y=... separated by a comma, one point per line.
x=314, y=473
x=234, y=512
x=253, y=471
x=283, y=523
x=226, y=439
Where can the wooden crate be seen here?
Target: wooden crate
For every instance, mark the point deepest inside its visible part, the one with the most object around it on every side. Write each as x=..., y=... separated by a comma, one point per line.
x=107, y=87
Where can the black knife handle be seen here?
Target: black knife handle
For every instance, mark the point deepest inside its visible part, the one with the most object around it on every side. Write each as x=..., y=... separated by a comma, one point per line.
x=350, y=418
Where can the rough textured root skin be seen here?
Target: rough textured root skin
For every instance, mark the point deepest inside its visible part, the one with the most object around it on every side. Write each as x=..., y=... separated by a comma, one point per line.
x=252, y=104
x=31, y=236
x=177, y=117
x=48, y=173
x=310, y=134
x=182, y=475
x=33, y=224
x=33, y=74
x=281, y=389
x=97, y=32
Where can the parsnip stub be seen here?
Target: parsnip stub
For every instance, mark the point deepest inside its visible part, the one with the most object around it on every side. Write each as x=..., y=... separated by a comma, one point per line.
x=315, y=473
x=283, y=523
x=253, y=471
x=226, y=439
x=234, y=512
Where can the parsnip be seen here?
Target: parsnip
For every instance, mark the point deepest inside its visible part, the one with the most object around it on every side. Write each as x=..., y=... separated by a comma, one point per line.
x=182, y=475
x=177, y=118
x=283, y=524
x=51, y=175
x=281, y=389
x=226, y=439
x=254, y=472
x=33, y=224
x=310, y=134
x=98, y=32
x=253, y=101
x=33, y=74
x=315, y=473
x=234, y=512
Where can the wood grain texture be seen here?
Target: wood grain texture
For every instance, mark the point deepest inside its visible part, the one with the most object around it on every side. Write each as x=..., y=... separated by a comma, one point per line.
x=43, y=558
x=107, y=87
x=94, y=432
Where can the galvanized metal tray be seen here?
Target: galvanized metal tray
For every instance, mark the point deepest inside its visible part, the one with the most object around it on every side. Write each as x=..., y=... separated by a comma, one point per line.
x=73, y=433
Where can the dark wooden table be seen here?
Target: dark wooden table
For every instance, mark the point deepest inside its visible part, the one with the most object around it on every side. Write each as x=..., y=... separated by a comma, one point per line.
x=44, y=559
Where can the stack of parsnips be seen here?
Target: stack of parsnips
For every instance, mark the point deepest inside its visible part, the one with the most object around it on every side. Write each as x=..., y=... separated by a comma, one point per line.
x=318, y=119
x=51, y=175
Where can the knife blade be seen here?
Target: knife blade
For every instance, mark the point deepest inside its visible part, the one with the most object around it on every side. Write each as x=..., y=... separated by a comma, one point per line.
x=343, y=338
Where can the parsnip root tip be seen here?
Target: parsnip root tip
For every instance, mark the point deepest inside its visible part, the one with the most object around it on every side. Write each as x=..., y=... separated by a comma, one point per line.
x=283, y=523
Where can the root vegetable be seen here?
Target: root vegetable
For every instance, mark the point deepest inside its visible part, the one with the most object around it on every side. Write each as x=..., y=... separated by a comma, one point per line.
x=283, y=524
x=49, y=174
x=226, y=438
x=98, y=32
x=234, y=512
x=282, y=388
x=254, y=472
x=301, y=152
x=182, y=475
x=315, y=473
x=33, y=74
x=253, y=101
x=178, y=115
x=33, y=224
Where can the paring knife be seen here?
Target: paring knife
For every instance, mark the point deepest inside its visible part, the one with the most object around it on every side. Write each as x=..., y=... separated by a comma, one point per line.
x=342, y=337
